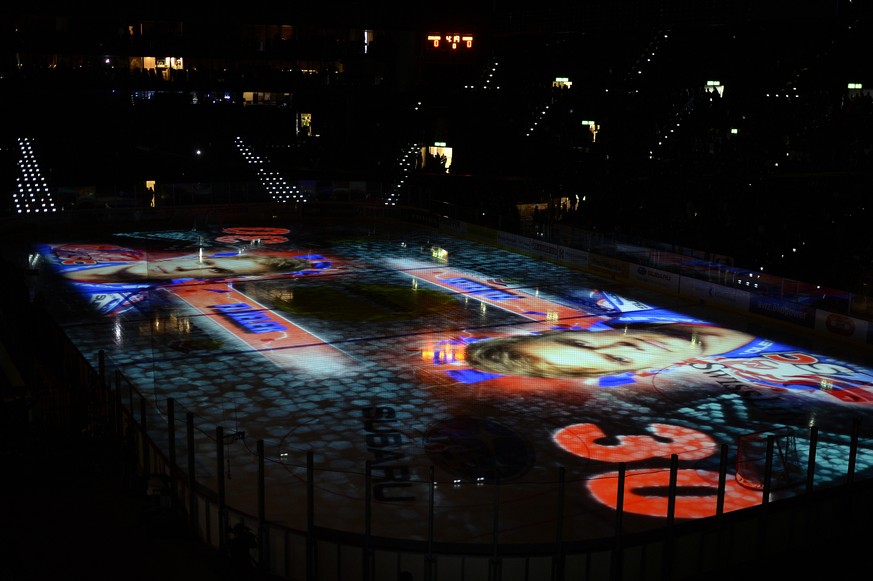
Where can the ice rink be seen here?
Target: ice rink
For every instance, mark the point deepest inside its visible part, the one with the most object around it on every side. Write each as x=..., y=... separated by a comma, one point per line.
x=355, y=344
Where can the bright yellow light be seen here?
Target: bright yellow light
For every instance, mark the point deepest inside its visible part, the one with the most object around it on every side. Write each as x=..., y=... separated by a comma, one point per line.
x=443, y=353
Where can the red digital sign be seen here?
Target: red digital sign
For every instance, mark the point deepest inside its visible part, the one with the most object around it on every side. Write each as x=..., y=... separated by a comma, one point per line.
x=452, y=41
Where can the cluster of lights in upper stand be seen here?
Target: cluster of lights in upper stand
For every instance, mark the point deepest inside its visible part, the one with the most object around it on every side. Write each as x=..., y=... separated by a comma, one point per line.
x=644, y=61
x=410, y=155
x=539, y=115
x=32, y=194
x=406, y=163
x=487, y=81
x=277, y=187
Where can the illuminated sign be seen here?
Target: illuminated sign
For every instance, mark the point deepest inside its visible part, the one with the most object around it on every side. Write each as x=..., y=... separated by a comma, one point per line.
x=253, y=320
x=453, y=41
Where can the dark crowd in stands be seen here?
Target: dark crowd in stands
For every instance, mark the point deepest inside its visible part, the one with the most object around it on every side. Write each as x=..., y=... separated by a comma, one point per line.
x=771, y=167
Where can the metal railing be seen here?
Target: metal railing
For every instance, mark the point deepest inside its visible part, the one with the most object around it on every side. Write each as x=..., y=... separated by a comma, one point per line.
x=677, y=549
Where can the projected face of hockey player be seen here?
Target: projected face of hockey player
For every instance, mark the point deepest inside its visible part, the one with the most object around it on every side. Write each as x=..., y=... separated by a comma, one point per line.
x=191, y=267
x=593, y=354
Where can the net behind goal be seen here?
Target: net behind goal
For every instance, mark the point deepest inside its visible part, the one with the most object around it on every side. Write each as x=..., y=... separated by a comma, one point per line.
x=752, y=457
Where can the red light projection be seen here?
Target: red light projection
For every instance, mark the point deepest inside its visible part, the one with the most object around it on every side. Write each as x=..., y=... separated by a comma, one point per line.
x=582, y=440
x=646, y=490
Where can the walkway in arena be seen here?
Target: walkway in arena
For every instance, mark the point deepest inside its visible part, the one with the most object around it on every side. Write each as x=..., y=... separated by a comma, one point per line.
x=511, y=382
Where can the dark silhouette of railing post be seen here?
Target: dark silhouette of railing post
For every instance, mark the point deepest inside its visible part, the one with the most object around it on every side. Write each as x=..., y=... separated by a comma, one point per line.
x=722, y=480
x=118, y=405
x=617, y=556
x=810, y=464
x=263, y=530
x=171, y=453
x=429, y=560
x=222, y=498
x=768, y=470
x=130, y=399
x=143, y=431
x=719, y=502
x=671, y=497
x=171, y=439
x=669, y=544
x=761, y=545
x=192, y=476
x=367, y=560
x=558, y=557
x=812, y=510
x=853, y=450
x=311, y=547
x=494, y=569
x=101, y=368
